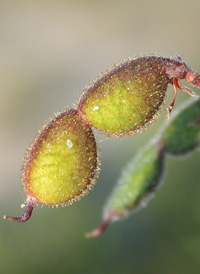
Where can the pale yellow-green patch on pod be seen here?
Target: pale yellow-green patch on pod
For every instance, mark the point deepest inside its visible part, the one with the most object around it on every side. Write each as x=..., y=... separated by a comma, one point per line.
x=138, y=181
x=127, y=97
x=182, y=134
x=61, y=164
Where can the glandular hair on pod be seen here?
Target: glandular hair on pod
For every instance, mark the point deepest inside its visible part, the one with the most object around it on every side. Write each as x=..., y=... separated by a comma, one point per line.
x=126, y=98
x=61, y=163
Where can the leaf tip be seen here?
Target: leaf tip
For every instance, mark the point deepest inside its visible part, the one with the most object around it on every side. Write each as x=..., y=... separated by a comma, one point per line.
x=99, y=230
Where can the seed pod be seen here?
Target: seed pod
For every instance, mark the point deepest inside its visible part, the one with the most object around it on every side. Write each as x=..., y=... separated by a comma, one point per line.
x=61, y=163
x=127, y=97
x=137, y=182
x=182, y=134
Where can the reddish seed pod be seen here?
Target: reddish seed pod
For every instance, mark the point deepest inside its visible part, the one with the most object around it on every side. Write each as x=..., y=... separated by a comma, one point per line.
x=127, y=97
x=61, y=164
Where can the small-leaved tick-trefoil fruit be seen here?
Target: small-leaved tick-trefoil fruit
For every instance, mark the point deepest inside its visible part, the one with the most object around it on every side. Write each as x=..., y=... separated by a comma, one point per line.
x=138, y=181
x=182, y=134
x=61, y=163
x=127, y=97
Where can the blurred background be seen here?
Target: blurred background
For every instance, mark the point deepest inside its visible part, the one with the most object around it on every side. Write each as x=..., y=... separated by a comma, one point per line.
x=49, y=50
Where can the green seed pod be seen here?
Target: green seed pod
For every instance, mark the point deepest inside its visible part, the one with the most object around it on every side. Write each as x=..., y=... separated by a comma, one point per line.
x=127, y=97
x=61, y=163
x=182, y=134
x=139, y=179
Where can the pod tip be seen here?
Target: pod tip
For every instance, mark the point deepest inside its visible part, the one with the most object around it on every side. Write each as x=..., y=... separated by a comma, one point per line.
x=99, y=230
x=26, y=216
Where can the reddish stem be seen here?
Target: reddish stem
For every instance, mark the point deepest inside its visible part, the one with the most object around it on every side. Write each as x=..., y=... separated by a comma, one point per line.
x=193, y=77
x=169, y=109
x=98, y=231
x=196, y=81
x=26, y=216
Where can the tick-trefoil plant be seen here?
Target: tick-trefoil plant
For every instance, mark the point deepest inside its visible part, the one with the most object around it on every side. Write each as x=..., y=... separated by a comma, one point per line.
x=62, y=163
